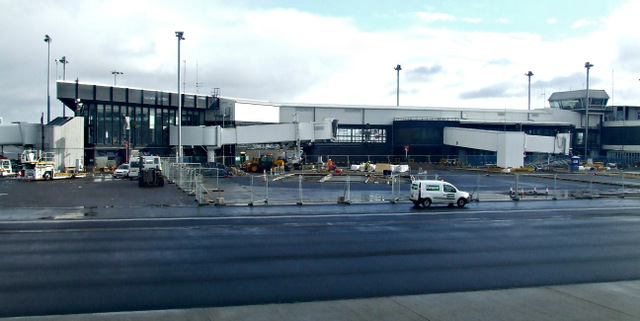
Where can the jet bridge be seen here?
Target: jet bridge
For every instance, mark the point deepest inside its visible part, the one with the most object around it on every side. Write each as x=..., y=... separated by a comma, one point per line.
x=510, y=146
x=21, y=134
x=214, y=137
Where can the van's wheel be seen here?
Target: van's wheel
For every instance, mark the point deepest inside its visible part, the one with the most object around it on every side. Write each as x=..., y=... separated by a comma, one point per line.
x=46, y=176
x=461, y=202
x=426, y=203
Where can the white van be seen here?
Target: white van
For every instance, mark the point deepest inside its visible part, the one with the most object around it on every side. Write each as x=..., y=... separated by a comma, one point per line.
x=427, y=192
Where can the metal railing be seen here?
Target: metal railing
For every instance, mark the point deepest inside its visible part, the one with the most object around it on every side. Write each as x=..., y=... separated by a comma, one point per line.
x=215, y=186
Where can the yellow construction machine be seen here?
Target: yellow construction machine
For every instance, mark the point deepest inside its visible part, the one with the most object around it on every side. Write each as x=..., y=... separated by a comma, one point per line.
x=263, y=163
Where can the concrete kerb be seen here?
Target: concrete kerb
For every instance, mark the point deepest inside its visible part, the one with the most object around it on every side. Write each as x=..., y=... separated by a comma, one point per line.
x=591, y=301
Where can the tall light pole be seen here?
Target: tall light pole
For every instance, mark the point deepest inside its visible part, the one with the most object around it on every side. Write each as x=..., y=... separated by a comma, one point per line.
x=48, y=39
x=64, y=62
x=116, y=73
x=529, y=74
x=398, y=68
x=588, y=102
x=179, y=34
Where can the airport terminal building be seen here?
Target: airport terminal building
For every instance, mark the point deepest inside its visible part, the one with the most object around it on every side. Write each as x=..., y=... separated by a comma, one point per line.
x=116, y=118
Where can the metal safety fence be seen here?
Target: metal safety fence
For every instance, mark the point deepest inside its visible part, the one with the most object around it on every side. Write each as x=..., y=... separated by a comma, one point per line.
x=216, y=187
x=302, y=188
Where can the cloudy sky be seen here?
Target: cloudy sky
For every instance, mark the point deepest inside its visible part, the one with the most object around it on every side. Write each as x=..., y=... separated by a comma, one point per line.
x=453, y=53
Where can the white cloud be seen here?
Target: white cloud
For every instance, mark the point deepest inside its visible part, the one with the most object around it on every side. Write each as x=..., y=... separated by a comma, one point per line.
x=583, y=23
x=472, y=20
x=285, y=55
x=552, y=21
x=432, y=17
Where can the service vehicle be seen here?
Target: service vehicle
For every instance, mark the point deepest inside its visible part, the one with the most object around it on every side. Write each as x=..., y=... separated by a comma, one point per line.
x=38, y=165
x=427, y=192
x=147, y=162
x=263, y=163
x=148, y=170
x=122, y=171
x=6, y=169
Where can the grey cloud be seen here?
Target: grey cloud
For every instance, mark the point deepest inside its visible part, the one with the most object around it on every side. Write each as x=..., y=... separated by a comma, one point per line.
x=628, y=52
x=492, y=91
x=574, y=81
x=423, y=73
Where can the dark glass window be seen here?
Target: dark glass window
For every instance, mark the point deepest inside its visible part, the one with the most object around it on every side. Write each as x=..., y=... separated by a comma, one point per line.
x=100, y=124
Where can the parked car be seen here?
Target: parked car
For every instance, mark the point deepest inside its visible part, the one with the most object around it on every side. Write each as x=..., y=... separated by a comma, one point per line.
x=427, y=192
x=122, y=171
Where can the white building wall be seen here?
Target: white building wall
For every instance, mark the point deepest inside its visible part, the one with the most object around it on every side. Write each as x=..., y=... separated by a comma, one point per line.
x=67, y=142
x=385, y=115
x=345, y=115
x=510, y=149
x=256, y=113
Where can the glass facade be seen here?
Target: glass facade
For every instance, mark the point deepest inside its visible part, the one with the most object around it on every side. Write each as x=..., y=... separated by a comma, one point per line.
x=149, y=126
x=361, y=135
x=150, y=113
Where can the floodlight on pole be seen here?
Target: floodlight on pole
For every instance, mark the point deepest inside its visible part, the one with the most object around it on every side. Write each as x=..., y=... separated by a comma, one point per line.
x=48, y=40
x=529, y=74
x=587, y=103
x=116, y=73
x=64, y=63
x=397, y=69
x=179, y=34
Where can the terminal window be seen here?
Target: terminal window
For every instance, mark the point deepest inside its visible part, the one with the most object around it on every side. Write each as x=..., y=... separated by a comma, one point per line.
x=360, y=135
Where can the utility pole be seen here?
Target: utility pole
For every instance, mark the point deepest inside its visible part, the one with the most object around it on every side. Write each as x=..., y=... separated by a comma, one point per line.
x=116, y=73
x=398, y=68
x=529, y=74
x=48, y=39
x=586, y=130
x=179, y=34
x=64, y=62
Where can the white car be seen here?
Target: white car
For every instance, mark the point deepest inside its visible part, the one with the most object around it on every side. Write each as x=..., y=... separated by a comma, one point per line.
x=427, y=192
x=122, y=171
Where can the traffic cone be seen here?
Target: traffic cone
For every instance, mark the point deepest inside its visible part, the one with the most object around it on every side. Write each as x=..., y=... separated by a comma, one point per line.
x=546, y=191
x=522, y=191
x=511, y=190
x=535, y=190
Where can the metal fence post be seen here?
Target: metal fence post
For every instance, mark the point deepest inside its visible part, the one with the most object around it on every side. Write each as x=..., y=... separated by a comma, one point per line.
x=347, y=191
x=266, y=180
x=251, y=202
x=299, y=190
x=399, y=186
x=218, y=182
x=199, y=189
x=622, y=177
x=555, y=187
x=516, y=192
x=393, y=187
x=478, y=189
